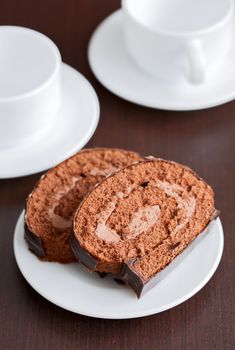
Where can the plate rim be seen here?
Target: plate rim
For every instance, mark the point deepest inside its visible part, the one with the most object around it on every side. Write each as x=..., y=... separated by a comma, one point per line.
x=149, y=312
x=79, y=145
x=137, y=100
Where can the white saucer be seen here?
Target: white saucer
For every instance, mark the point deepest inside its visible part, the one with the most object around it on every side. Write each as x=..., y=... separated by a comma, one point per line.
x=70, y=131
x=114, y=68
x=74, y=289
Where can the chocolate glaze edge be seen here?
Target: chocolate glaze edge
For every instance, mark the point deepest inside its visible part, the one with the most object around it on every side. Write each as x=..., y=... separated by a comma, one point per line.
x=141, y=286
x=34, y=243
x=83, y=257
x=130, y=277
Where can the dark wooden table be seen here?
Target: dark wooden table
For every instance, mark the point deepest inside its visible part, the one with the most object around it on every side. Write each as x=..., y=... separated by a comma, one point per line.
x=204, y=140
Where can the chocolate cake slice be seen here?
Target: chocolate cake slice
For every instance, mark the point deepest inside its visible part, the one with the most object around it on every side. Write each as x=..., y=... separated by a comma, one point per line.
x=51, y=205
x=138, y=220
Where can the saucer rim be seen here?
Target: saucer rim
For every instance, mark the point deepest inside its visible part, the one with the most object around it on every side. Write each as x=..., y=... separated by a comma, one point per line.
x=79, y=145
x=128, y=96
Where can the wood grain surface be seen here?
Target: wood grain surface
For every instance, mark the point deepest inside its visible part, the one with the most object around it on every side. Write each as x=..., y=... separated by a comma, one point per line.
x=204, y=140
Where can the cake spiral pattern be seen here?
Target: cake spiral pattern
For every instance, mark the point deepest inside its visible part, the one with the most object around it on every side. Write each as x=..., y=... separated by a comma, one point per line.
x=139, y=219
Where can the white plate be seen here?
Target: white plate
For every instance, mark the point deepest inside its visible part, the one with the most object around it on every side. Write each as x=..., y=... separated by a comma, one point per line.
x=70, y=131
x=74, y=289
x=115, y=69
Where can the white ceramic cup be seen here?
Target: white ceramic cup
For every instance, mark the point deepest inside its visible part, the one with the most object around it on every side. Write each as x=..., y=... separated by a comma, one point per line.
x=178, y=40
x=29, y=84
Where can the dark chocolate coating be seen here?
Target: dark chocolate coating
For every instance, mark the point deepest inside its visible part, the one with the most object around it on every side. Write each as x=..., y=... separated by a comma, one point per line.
x=82, y=255
x=102, y=274
x=136, y=282
x=128, y=275
x=34, y=242
x=131, y=278
x=141, y=286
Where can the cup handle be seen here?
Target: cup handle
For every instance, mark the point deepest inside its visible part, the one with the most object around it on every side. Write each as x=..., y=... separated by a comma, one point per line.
x=196, y=61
